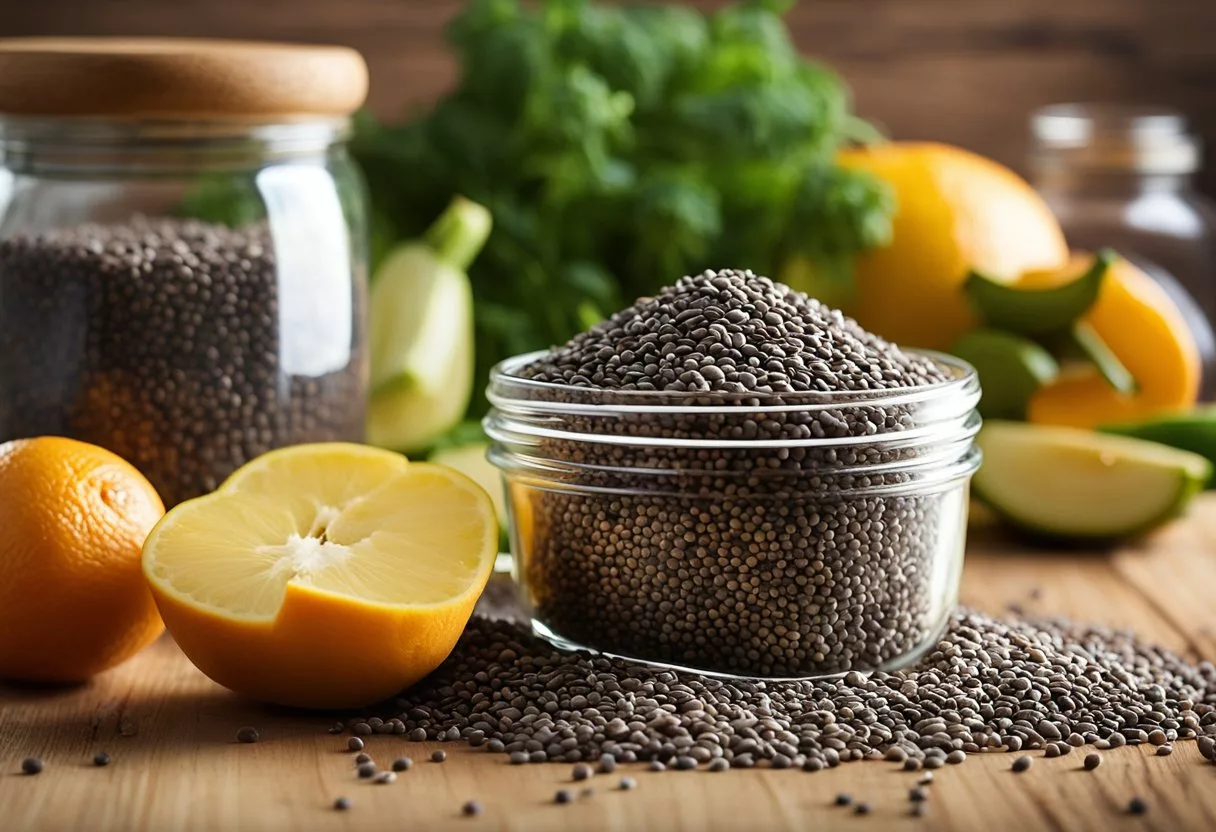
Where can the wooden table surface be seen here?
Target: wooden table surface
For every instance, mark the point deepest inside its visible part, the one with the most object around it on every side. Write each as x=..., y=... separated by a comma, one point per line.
x=176, y=765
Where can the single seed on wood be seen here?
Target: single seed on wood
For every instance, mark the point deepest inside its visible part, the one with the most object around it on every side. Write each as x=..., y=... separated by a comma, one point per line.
x=341, y=804
x=471, y=808
x=101, y=759
x=719, y=764
x=812, y=764
x=247, y=734
x=926, y=778
x=862, y=808
x=363, y=758
x=1052, y=750
x=919, y=809
x=438, y=756
x=911, y=764
x=1092, y=761
x=385, y=777
x=362, y=729
x=955, y=757
x=685, y=763
x=582, y=771
x=418, y=735
x=402, y=764
x=367, y=770
x=918, y=794
x=657, y=765
x=628, y=784
x=1207, y=747
x=563, y=796
x=1165, y=750
x=1137, y=806
x=1022, y=764
x=607, y=764
x=895, y=754
x=495, y=746
x=31, y=765
x=337, y=728
x=354, y=744
x=934, y=762
x=844, y=799
x=518, y=758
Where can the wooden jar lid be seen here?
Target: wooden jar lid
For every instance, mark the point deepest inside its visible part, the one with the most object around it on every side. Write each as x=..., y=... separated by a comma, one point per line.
x=178, y=78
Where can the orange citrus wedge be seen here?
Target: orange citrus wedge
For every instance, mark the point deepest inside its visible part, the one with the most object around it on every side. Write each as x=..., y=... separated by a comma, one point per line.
x=323, y=576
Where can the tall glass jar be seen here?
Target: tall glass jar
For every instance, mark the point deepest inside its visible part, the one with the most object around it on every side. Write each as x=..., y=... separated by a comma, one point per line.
x=182, y=251
x=1121, y=176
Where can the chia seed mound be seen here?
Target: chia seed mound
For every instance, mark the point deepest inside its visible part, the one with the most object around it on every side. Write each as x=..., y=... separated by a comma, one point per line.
x=771, y=551
x=163, y=341
x=988, y=685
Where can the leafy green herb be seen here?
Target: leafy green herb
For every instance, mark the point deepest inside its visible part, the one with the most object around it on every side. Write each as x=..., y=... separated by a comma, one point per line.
x=619, y=147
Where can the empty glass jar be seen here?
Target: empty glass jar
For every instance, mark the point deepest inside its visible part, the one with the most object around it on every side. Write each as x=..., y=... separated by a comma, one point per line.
x=182, y=264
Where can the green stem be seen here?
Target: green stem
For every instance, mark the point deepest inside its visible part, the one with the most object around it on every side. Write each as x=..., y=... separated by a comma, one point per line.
x=460, y=232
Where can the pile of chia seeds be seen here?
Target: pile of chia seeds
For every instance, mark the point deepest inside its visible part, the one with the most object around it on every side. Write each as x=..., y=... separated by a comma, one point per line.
x=164, y=342
x=988, y=685
x=764, y=561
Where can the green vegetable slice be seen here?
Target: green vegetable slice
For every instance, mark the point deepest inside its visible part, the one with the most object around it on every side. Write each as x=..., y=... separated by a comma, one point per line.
x=1011, y=369
x=1036, y=312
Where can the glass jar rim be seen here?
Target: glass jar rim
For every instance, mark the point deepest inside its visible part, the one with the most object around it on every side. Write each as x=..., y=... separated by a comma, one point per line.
x=591, y=400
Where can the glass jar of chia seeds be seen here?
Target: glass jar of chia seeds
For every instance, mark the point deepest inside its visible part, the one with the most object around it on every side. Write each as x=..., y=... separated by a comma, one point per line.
x=182, y=250
x=798, y=536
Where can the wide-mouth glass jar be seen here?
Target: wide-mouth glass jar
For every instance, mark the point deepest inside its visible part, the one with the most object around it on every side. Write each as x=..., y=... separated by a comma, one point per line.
x=182, y=250
x=791, y=536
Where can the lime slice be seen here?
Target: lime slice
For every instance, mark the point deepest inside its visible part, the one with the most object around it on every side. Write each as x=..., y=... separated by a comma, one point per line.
x=1074, y=484
x=1011, y=369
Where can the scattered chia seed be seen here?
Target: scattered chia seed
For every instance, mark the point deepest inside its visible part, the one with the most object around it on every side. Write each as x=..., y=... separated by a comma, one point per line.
x=967, y=690
x=337, y=728
x=367, y=770
x=402, y=764
x=1207, y=748
x=31, y=766
x=101, y=759
x=1137, y=806
x=582, y=771
x=1165, y=750
x=438, y=756
x=956, y=757
x=1052, y=750
x=1092, y=761
x=844, y=799
x=563, y=796
x=495, y=746
x=1022, y=764
x=363, y=758
x=811, y=764
x=850, y=576
x=418, y=735
x=471, y=808
x=628, y=784
x=247, y=734
x=926, y=778
x=168, y=342
x=911, y=764
x=862, y=808
x=607, y=764
x=354, y=744
x=385, y=777
x=362, y=729
x=918, y=794
x=341, y=804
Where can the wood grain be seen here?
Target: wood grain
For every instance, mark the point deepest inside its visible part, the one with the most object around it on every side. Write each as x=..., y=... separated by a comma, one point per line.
x=176, y=765
x=962, y=72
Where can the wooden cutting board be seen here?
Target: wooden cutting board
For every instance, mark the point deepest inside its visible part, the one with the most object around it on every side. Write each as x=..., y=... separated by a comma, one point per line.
x=176, y=766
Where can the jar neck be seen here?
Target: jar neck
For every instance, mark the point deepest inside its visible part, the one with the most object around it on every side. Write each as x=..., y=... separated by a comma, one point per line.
x=82, y=146
x=1111, y=183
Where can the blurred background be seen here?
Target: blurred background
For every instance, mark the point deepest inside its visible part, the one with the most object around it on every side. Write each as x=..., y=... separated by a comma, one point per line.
x=968, y=73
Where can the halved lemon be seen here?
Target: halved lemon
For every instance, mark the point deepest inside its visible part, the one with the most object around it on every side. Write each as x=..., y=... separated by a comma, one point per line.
x=323, y=576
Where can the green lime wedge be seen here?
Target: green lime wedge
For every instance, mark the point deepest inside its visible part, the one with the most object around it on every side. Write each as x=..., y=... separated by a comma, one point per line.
x=1037, y=311
x=1193, y=431
x=422, y=341
x=1071, y=484
x=1011, y=369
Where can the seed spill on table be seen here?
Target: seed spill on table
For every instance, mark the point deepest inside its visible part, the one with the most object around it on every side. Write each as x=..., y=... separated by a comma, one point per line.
x=101, y=759
x=1207, y=748
x=607, y=764
x=471, y=808
x=863, y=808
x=628, y=784
x=1022, y=764
x=354, y=744
x=844, y=799
x=582, y=771
x=362, y=729
x=918, y=794
x=1165, y=750
x=1137, y=806
x=719, y=764
x=438, y=756
x=31, y=765
x=341, y=804
x=248, y=734
x=363, y=758
x=384, y=778
x=985, y=682
x=337, y=728
x=563, y=796
x=912, y=764
x=518, y=758
x=761, y=566
x=367, y=770
x=402, y=764
x=166, y=342
x=1092, y=761
x=919, y=810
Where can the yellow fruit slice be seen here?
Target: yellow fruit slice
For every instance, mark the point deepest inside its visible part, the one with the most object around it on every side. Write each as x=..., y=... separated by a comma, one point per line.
x=335, y=608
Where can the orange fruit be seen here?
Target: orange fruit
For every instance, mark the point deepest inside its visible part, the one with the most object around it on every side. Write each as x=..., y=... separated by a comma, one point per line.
x=72, y=599
x=956, y=211
x=1146, y=330
x=324, y=576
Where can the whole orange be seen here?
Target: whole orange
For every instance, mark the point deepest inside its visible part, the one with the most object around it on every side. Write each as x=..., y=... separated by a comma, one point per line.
x=956, y=211
x=73, y=599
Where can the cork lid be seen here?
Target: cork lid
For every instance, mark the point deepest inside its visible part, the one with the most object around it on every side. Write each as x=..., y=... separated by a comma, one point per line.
x=178, y=78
